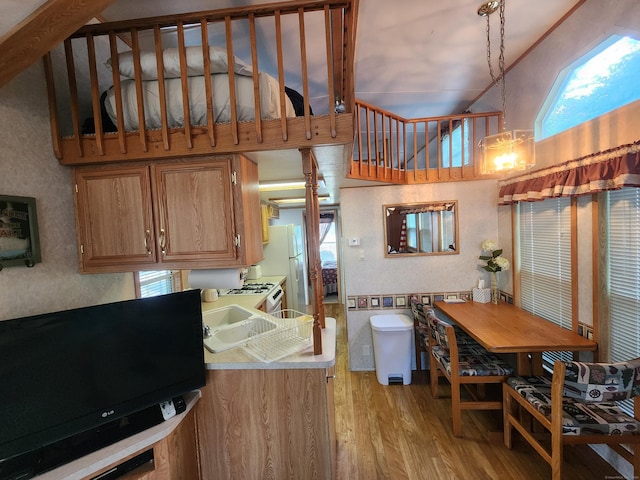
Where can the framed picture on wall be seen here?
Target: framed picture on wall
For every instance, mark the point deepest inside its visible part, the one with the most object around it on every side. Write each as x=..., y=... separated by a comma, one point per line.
x=19, y=240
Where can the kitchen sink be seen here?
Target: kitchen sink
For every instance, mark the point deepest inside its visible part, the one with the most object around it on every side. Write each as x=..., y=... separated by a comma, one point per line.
x=222, y=316
x=232, y=326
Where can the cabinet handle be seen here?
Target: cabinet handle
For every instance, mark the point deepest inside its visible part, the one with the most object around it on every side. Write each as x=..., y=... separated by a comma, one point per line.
x=162, y=242
x=147, y=235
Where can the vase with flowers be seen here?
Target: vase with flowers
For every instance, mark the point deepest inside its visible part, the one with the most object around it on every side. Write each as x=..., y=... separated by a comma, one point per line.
x=495, y=263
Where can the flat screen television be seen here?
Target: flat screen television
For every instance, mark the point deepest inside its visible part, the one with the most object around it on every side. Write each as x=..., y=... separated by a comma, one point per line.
x=75, y=371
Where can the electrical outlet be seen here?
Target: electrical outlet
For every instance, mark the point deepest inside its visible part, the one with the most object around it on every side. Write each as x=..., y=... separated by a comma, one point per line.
x=366, y=350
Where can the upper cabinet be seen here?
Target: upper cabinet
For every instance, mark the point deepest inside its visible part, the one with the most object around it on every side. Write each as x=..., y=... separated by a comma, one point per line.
x=179, y=214
x=265, y=223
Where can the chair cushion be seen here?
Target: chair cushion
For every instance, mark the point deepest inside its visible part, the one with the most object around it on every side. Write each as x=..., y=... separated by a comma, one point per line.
x=602, y=382
x=578, y=418
x=439, y=332
x=473, y=360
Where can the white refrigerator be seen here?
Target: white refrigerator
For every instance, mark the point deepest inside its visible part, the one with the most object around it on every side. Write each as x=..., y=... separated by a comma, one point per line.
x=285, y=255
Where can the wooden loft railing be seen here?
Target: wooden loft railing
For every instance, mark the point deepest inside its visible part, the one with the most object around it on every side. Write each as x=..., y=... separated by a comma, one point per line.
x=392, y=149
x=311, y=44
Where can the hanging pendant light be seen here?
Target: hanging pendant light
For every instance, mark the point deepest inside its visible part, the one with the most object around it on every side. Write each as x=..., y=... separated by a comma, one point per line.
x=506, y=151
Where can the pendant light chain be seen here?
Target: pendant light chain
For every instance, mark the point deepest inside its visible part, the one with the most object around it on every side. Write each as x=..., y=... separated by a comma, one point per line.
x=500, y=81
x=505, y=151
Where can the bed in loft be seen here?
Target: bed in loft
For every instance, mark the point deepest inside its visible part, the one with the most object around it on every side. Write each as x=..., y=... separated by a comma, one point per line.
x=201, y=83
x=220, y=102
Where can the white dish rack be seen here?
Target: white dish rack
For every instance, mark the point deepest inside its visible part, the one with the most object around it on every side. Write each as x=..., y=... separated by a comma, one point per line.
x=291, y=334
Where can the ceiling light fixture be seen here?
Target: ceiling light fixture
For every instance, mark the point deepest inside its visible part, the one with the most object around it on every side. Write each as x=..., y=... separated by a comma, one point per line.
x=508, y=150
x=288, y=201
x=271, y=186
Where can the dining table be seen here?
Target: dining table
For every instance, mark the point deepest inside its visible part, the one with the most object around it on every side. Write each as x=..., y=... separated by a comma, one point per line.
x=506, y=328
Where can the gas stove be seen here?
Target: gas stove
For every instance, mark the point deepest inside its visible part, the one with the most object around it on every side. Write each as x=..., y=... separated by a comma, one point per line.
x=250, y=289
x=274, y=294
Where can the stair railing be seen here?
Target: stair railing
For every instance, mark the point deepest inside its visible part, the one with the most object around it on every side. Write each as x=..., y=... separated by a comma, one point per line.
x=392, y=149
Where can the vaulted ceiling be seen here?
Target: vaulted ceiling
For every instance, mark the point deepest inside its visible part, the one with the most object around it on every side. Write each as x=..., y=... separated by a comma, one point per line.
x=412, y=57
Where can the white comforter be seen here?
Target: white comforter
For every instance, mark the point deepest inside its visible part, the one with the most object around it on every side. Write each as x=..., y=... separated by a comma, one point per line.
x=269, y=101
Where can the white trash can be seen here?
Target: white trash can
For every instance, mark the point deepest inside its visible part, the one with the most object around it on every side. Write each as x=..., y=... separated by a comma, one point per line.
x=392, y=340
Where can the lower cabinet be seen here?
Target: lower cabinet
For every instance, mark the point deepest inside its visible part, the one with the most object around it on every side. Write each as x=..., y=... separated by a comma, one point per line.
x=267, y=424
x=175, y=457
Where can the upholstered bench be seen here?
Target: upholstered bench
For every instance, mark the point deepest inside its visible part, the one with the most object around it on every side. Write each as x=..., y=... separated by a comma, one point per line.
x=422, y=331
x=463, y=362
x=473, y=360
x=576, y=406
x=578, y=418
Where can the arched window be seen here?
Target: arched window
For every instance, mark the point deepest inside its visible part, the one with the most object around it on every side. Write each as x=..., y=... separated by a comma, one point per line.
x=604, y=79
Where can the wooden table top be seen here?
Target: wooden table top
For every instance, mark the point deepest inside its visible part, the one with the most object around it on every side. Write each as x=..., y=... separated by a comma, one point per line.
x=505, y=328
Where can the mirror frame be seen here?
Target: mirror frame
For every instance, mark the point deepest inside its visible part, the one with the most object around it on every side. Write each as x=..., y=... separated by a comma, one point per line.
x=412, y=206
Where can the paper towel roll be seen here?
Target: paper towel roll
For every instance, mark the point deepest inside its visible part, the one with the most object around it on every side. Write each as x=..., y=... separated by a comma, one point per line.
x=217, y=278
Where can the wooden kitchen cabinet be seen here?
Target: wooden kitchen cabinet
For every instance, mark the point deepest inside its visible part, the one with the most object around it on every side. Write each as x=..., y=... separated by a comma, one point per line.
x=178, y=214
x=268, y=424
x=264, y=208
x=176, y=457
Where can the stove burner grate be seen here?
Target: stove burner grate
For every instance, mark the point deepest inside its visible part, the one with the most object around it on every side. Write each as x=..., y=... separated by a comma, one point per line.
x=251, y=289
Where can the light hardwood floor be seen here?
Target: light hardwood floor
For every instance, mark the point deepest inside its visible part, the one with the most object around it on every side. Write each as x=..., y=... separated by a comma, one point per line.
x=401, y=432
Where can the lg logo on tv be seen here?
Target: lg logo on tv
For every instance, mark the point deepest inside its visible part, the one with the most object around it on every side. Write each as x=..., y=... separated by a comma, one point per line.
x=108, y=413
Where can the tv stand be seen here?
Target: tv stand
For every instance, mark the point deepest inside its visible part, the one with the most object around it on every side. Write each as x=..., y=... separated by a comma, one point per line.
x=173, y=443
x=76, y=446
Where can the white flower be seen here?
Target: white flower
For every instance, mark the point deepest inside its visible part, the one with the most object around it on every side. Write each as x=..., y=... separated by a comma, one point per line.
x=488, y=245
x=492, y=255
x=502, y=262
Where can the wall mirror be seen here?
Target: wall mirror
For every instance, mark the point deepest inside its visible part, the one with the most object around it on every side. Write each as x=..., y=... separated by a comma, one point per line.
x=421, y=228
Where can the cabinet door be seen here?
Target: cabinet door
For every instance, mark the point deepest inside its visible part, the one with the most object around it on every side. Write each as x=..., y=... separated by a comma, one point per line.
x=265, y=223
x=114, y=217
x=195, y=211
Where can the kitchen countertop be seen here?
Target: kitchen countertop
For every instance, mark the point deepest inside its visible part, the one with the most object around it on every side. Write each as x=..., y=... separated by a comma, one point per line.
x=238, y=359
x=248, y=301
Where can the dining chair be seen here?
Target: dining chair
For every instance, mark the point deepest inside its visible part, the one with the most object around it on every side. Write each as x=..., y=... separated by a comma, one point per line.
x=421, y=331
x=464, y=363
x=577, y=405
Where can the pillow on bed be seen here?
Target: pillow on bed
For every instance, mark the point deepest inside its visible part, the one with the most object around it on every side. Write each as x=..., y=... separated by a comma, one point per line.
x=171, y=60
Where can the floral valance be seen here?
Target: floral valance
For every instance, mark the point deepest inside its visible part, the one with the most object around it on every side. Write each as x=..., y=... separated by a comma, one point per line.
x=609, y=170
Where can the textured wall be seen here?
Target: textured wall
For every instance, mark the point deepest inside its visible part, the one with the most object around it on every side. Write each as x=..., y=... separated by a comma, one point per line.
x=368, y=272
x=28, y=168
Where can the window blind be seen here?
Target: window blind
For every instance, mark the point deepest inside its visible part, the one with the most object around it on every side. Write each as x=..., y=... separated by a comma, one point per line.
x=545, y=262
x=158, y=282
x=624, y=273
